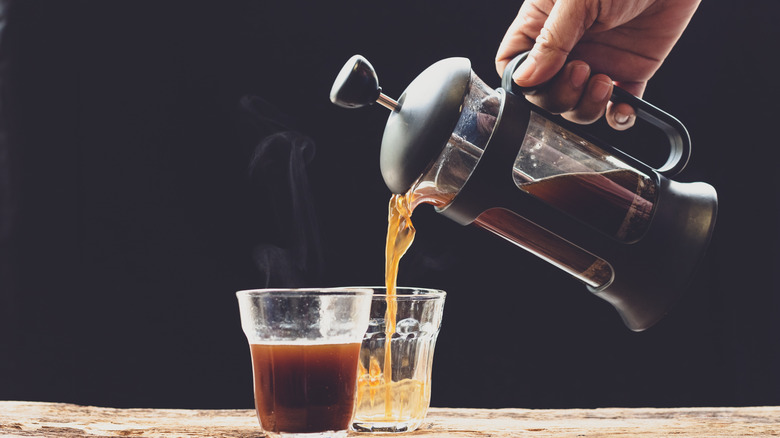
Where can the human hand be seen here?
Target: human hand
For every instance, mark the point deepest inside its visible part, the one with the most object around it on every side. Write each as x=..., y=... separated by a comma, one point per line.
x=624, y=42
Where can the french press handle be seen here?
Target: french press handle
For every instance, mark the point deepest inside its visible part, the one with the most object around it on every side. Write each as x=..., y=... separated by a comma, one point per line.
x=679, y=139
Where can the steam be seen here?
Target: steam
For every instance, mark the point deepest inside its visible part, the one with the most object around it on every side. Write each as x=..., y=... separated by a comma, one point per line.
x=292, y=257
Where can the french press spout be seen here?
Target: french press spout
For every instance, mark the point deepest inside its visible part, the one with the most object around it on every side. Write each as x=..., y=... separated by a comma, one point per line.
x=489, y=157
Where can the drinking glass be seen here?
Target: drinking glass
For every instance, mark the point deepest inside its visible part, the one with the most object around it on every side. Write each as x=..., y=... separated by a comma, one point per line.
x=394, y=378
x=305, y=345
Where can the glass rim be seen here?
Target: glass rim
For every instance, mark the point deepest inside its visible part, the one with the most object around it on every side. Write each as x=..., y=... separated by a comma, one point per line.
x=305, y=291
x=407, y=292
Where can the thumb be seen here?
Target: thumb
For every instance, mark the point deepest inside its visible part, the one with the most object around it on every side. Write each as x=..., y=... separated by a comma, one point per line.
x=563, y=28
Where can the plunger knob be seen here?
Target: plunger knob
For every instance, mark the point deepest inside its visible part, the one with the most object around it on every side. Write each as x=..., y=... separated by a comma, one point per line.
x=357, y=86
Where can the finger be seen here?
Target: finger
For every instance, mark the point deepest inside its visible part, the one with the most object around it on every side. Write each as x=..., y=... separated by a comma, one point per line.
x=521, y=34
x=594, y=100
x=564, y=27
x=622, y=116
x=562, y=93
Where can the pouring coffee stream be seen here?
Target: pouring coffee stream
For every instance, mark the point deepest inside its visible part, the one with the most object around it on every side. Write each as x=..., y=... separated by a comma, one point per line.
x=487, y=156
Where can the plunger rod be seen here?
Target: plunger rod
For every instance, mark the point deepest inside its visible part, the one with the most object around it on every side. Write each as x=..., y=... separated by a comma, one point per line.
x=387, y=102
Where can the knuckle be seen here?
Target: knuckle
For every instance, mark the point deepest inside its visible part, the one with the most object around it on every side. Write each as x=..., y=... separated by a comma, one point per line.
x=548, y=42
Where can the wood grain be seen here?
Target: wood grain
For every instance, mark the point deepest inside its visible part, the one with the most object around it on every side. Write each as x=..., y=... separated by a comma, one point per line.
x=37, y=419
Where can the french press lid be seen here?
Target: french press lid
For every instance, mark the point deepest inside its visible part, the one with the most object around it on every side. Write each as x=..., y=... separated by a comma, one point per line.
x=420, y=122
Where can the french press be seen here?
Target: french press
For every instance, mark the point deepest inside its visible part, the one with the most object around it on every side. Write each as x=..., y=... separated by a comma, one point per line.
x=489, y=157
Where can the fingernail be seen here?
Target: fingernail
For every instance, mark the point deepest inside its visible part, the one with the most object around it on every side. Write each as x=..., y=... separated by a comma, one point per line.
x=579, y=74
x=624, y=119
x=599, y=90
x=525, y=70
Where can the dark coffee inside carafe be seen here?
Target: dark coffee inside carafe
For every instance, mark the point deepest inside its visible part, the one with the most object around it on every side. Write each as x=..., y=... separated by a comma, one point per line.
x=617, y=202
x=579, y=263
x=581, y=179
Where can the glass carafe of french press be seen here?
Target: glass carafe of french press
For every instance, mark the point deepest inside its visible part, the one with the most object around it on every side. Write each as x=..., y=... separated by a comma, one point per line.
x=490, y=158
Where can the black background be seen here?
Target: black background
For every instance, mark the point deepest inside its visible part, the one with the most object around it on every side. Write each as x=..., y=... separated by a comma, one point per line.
x=129, y=217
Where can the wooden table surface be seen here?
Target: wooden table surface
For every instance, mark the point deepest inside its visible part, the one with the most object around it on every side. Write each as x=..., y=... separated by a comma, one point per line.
x=36, y=419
